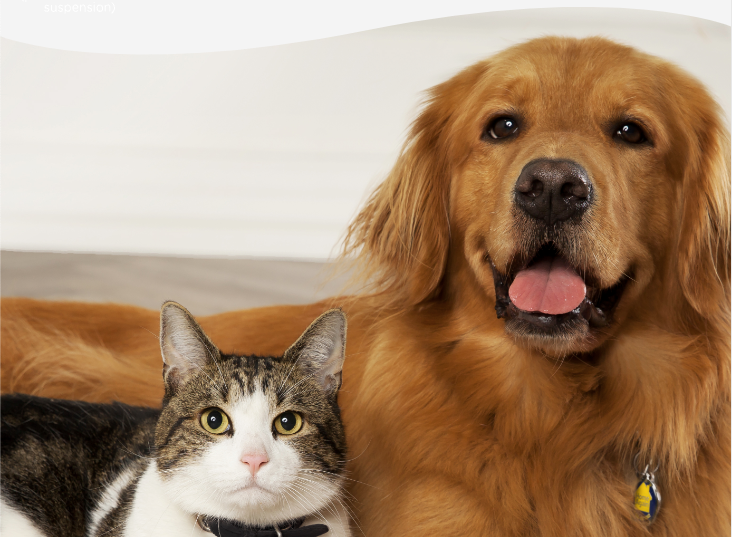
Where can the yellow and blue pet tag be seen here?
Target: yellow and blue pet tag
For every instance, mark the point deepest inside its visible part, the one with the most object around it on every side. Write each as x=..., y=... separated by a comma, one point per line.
x=647, y=498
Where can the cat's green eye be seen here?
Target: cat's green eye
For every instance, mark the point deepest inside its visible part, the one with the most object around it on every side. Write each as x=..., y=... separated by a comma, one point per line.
x=288, y=422
x=215, y=421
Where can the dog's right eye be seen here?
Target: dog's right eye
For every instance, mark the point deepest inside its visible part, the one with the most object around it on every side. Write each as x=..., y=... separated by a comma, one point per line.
x=503, y=127
x=630, y=133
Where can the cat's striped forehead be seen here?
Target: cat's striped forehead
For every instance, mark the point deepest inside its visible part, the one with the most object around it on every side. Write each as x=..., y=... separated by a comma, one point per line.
x=237, y=377
x=249, y=374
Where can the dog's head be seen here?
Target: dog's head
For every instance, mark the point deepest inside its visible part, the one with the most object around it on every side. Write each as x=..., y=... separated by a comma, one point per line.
x=572, y=183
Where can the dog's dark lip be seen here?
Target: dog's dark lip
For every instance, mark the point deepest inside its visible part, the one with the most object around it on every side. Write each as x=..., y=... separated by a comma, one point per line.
x=596, y=308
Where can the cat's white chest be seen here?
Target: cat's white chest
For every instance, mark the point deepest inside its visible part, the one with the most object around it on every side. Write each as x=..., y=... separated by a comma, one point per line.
x=154, y=514
x=16, y=524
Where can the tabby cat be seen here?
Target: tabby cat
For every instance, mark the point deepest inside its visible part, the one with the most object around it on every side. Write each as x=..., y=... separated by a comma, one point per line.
x=243, y=445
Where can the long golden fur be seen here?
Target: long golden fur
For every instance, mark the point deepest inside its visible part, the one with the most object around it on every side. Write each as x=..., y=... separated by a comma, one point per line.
x=460, y=423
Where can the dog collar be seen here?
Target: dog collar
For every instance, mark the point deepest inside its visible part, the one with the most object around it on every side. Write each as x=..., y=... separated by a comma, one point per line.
x=291, y=528
x=647, y=497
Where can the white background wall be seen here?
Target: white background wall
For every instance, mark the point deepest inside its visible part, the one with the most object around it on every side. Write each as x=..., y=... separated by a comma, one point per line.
x=262, y=152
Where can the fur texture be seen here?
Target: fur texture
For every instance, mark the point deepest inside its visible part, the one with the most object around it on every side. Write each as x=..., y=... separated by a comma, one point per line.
x=457, y=423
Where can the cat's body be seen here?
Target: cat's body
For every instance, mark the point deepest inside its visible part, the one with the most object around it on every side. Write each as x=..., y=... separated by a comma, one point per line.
x=63, y=462
x=254, y=440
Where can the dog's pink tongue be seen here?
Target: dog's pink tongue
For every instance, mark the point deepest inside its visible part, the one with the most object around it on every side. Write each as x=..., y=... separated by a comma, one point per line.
x=550, y=286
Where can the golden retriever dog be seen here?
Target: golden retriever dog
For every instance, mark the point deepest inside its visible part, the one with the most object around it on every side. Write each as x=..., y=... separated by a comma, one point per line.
x=549, y=311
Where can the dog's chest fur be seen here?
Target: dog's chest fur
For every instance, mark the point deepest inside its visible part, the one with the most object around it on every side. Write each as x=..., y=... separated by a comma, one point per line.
x=550, y=455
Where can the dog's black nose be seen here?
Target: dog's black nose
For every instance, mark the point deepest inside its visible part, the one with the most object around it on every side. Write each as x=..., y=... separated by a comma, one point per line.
x=553, y=190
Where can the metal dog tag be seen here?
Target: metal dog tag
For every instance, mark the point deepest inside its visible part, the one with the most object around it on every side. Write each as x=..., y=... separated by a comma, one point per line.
x=647, y=498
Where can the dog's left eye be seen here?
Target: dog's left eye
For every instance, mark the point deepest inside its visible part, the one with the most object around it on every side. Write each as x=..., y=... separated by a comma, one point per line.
x=631, y=133
x=503, y=127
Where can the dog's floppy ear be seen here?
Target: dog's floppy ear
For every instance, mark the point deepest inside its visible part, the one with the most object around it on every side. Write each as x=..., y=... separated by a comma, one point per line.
x=704, y=235
x=401, y=237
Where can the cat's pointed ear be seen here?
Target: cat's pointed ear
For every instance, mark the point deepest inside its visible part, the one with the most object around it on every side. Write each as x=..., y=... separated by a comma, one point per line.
x=184, y=345
x=321, y=349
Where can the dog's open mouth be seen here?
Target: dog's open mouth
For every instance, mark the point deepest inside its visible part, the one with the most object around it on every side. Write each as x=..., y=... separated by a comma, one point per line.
x=547, y=296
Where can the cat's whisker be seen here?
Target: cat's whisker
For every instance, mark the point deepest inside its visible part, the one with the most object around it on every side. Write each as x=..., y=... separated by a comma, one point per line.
x=313, y=511
x=156, y=336
x=357, y=456
x=313, y=484
x=285, y=500
x=308, y=507
x=303, y=488
x=294, y=364
x=340, y=476
x=314, y=487
x=347, y=495
x=291, y=388
x=346, y=508
x=296, y=500
x=351, y=515
x=289, y=505
x=315, y=490
x=140, y=455
x=336, y=514
x=331, y=508
x=292, y=512
x=297, y=384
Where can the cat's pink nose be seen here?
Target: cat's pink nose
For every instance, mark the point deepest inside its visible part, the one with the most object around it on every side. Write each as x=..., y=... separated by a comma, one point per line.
x=255, y=461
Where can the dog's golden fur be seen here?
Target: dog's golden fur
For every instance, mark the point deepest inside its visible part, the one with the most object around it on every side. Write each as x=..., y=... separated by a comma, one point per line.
x=456, y=424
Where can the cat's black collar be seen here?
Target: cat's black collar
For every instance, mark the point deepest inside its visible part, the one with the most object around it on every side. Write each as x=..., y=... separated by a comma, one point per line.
x=292, y=528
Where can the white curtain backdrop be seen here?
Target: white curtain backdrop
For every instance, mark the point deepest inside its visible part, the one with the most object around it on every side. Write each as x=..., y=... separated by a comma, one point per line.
x=261, y=152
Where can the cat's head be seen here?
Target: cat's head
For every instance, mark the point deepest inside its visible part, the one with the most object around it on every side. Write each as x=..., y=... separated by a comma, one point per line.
x=249, y=438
